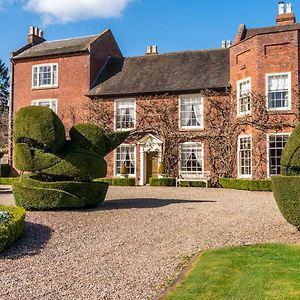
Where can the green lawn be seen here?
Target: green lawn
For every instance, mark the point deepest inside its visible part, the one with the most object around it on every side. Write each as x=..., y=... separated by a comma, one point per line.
x=252, y=272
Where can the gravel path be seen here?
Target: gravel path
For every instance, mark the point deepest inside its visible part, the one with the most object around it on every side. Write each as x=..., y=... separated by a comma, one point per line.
x=126, y=248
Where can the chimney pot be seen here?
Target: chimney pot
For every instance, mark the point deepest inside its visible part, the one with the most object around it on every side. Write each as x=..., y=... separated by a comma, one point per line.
x=289, y=8
x=31, y=30
x=41, y=35
x=223, y=46
x=152, y=50
x=229, y=43
x=35, y=36
x=281, y=8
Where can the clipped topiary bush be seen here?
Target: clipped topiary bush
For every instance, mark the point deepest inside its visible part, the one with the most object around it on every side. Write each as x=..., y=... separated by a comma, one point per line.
x=62, y=170
x=166, y=181
x=245, y=184
x=286, y=188
x=117, y=181
x=12, y=224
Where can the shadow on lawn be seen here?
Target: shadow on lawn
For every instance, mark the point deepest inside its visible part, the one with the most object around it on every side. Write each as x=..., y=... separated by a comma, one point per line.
x=145, y=203
x=32, y=241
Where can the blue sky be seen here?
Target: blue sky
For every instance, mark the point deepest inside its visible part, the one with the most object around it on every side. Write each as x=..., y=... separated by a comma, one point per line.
x=173, y=25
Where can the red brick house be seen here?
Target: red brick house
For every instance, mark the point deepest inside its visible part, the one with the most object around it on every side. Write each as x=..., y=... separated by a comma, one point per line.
x=262, y=61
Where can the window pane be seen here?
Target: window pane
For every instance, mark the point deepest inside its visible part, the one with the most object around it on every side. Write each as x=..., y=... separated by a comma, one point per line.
x=191, y=111
x=245, y=156
x=125, y=154
x=191, y=157
x=276, y=145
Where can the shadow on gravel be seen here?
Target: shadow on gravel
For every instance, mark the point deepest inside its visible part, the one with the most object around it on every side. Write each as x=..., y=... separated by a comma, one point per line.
x=33, y=240
x=144, y=203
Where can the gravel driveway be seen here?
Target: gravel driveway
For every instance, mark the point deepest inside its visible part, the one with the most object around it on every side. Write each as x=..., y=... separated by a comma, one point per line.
x=126, y=248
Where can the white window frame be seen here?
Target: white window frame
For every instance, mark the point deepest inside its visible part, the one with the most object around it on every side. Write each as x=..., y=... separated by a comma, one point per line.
x=181, y=97
x=39, y=86
x=289, y=107
x=115, y=160
x=239, y=113
x=51, y=102
x=268, y=148
x=238, y=157
x=203, y=158
x=133, y=100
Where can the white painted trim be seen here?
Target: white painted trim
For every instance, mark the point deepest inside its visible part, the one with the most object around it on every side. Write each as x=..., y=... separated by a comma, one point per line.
x=44, y=85
x=203, y=155
x=37, y=101
x=239, y=113
x=238, y=156
x=115, y=161
x=179, y=111
x=268, y=148
x=115, y=113
x=289, y=91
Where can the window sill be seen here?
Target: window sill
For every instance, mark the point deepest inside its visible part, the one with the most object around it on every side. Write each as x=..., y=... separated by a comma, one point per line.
x=45, y=87
x=124, y=129
x=191, y=128
x=280, y=111
x=243, y=115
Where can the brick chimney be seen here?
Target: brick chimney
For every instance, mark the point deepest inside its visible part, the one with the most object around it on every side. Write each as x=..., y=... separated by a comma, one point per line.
x=152, y=50
x=285, y=16
x=35, y=36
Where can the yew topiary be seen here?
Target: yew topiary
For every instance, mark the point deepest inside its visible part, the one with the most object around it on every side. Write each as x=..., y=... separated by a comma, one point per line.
x=43, y=149
x=286, y=188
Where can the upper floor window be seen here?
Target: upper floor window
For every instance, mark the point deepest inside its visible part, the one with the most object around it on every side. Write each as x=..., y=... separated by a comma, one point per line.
x=245, y=157
x=279, y=91
x=51, y=103
x=276, y=143
x=45, y=75
x=125, y=155
x=124, y=114
x=191, y=111
x=191, y=158
x=244, y=96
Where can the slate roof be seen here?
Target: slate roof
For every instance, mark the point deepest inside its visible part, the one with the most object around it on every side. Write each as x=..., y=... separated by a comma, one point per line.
x=58, y=47
x=264, y=30
x=171, y=72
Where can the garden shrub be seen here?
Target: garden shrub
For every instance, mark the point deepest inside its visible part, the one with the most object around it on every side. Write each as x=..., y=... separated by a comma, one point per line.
x=8, y=180
x=5, y=170
x=192, y=184
x=11, y=226
x=244, y=184
x=117, y=181
x=166, y=181
x=286, y=190
x=64, y=169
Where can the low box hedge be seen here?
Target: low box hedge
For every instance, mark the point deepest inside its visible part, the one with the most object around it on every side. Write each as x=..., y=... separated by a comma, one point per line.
x=286, y=191
x=244, y=184
x=117, y=181
x=12, y=226
x=8, y=180
x=167, y=181
x=4, y=170
x=193, y=184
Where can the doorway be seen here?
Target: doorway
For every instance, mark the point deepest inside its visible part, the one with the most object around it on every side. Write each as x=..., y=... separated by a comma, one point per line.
x=152, y=165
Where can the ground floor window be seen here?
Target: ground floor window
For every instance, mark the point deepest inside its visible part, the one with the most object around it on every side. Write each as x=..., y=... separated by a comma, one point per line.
x=245, y=156
x=276, y=143
x=125, y=154
x=51, y=103
x=191, y=157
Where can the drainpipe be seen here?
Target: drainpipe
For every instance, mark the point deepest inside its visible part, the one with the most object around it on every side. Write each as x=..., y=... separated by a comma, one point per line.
x=11, y=111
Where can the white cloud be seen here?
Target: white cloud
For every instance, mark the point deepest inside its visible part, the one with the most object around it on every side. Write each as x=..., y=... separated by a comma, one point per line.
x=64, y=11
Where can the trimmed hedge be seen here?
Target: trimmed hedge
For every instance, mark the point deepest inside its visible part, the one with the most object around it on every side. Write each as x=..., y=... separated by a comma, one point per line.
x=193, y=184
x=167, y=181
x=286, y=190
x=12, y=227
x=5, y=170
x=33, y=194
x=117, y=181
x=244, y=184
x=8, y=180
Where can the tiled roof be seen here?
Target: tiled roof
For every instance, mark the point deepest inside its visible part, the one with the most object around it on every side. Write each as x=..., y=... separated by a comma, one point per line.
x=172, y=72
x=59, y=47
